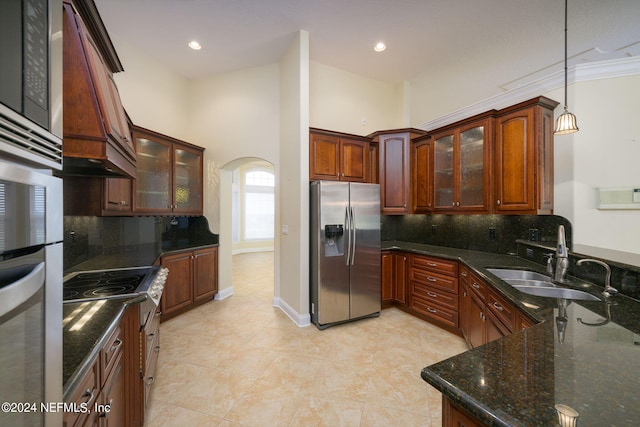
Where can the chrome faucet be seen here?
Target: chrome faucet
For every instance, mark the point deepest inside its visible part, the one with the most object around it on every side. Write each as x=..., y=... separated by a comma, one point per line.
x=562, y=256
x=549, y=258
x=608, y=289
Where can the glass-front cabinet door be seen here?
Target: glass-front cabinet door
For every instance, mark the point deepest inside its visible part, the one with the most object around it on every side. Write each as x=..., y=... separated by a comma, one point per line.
x=153, y=174
x=187, y=174
x=473, y=185
x=461, y=168
x=443, y=170
x=168, y=176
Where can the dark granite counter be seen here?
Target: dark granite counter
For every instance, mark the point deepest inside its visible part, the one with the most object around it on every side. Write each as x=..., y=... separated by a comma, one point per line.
x=85, y=326
x=590, y=362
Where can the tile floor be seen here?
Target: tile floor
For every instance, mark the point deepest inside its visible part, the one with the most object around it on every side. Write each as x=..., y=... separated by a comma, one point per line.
x=242, y=362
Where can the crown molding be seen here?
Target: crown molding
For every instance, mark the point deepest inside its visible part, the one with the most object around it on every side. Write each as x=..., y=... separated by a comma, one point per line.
x=580, y=73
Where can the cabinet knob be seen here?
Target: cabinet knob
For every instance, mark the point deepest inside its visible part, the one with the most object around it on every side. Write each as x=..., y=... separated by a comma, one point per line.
x=457, y=203
x=498, y=202
x=453, y=203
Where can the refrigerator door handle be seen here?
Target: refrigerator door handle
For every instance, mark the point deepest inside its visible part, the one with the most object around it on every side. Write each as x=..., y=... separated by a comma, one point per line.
x=353, y=241
x=347, y=221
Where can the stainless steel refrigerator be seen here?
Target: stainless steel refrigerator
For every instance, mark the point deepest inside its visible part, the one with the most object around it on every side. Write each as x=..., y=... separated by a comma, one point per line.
x=345, y=252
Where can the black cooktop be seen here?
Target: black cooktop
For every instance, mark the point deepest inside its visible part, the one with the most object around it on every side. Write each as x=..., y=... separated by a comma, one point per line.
x=104, y=284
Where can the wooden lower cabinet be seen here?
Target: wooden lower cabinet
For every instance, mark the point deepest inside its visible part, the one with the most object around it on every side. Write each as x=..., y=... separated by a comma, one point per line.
x=454, y=416
x=109, y=389
x=394, y=278
x=400, y=266
x=484, y=314
x=433, y=289
x=192, y=280
x=386, y=277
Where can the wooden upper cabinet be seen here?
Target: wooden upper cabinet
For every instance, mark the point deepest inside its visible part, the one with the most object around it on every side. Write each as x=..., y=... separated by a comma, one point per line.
x=524, y=158
x=394, y=149
x=334, y=156
x=421, y=176
x=461, y=167
x=169, y=175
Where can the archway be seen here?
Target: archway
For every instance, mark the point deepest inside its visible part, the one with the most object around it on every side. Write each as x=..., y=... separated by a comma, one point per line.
x=236, y=236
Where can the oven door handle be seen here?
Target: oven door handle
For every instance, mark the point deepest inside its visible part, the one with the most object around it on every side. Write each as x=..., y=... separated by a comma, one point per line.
x=18, y=292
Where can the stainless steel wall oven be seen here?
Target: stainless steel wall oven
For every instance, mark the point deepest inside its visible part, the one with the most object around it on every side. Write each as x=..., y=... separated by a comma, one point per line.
x=31, y=214
x=30, y=293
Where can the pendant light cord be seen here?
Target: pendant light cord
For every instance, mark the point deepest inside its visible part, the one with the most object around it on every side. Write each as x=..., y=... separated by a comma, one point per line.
x=565, y=53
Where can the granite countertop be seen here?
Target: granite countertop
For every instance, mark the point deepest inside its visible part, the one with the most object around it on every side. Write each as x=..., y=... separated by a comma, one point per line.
x=517, y=380
x=85, y=327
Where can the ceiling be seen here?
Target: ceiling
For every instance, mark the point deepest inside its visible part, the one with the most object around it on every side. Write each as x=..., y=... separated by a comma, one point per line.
x=515, y=39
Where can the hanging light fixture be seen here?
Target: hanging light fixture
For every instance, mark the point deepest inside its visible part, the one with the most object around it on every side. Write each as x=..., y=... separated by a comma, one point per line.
x=566, y=122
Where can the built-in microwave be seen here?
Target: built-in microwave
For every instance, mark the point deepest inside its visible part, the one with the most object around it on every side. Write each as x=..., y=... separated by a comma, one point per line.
x=31, y=81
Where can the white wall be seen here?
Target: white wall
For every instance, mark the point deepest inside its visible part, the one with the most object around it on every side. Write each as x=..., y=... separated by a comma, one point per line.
x=292, y=258
x=340, y=100
x=234, y=116
x=155, y=97
x=606, y=154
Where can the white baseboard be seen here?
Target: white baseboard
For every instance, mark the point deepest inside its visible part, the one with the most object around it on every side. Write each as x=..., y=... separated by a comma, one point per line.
x=224, y=293
x=250, y=250
x=302, y=320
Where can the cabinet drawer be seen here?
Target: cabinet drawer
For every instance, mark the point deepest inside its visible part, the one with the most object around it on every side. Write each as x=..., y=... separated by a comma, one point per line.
x=150, y=370
x=437, y=296
x=434, y=280
x=435, y=311
x=465, y=276
x=84, y=395
x=502, y=309
x=110, y=352
x=152, y=344
x=449, y=268
x=479, y=287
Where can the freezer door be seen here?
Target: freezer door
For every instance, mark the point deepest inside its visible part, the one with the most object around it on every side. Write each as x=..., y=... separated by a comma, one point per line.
x=330, y=243
x=365, y=268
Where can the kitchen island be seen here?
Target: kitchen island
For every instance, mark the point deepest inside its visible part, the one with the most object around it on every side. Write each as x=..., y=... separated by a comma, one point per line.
x=586, y=357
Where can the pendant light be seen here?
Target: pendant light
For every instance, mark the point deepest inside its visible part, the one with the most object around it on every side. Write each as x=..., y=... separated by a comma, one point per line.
x=566, y=122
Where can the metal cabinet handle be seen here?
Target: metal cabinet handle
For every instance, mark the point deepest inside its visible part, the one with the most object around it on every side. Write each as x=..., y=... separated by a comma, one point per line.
x=150, y=337
x=463, y=274
x=432, y=310
x=105, y=414
x=432, y=264
x=498, y=201
x=432, y=295
x=150, y=381
x=432, y=279
x=497, y=306
x=475, y=285
x=88, y=394
x=116, y=344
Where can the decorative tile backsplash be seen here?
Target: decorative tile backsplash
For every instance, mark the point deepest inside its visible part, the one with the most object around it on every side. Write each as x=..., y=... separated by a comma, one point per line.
x=487, y=233
x=528, y=236
x=86, y=237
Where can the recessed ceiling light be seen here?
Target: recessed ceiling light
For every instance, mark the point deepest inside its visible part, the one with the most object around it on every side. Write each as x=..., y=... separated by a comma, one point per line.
x=379, y=47
x=195, y=45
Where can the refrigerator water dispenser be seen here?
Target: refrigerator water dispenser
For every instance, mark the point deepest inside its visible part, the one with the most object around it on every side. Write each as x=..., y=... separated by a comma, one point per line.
x=333, y=243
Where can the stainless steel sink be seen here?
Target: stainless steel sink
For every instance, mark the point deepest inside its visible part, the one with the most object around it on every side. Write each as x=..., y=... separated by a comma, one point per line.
x=556, y=292
x=505, y=273
x=533, y=283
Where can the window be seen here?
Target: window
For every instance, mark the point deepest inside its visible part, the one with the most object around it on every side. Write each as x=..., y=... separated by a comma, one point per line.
x=259, y=205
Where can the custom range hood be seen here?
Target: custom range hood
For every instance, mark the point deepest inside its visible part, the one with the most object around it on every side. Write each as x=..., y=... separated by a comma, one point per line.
x=96, y=135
